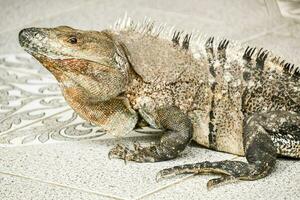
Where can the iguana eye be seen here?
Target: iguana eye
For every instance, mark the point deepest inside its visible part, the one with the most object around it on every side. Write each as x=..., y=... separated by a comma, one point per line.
x=72, y=40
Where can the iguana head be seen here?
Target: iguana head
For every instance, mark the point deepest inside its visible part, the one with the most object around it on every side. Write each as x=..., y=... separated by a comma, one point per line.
x=92, y=61
x=92, y=69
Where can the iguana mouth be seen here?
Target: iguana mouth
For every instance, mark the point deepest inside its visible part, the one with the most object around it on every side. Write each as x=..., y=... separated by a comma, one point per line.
x=31, y=40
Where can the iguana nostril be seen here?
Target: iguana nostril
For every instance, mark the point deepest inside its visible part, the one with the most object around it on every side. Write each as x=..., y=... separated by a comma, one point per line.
x=22, y=36
x=28, y=34
x=22, y=33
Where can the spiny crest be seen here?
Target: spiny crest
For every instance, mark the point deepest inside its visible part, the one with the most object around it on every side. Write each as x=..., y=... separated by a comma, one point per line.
x=223, y=44
x=261, y=59
x=148, y=27
x=249, y=53
x=291, y=68
x=201, y=45
x=186, y=41
x=176, y=37
x=287, y=67
x=209, y=44
x=193, y=40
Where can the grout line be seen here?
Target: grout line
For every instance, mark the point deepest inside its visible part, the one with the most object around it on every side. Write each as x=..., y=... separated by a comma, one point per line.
x=63, y=186
x=164, y=187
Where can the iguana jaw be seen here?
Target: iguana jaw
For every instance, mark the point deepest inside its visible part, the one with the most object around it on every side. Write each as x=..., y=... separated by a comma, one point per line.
x=34, y=42
x=87, y=63
x=91, y=79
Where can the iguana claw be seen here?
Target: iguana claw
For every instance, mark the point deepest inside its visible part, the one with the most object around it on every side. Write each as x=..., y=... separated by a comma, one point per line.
x=165, y=173
x=212, y=183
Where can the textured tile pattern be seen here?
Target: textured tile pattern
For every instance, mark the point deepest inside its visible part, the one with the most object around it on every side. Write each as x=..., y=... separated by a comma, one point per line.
x=48, y=152
x=85, y=165
x=32, y=107
x=19, y=187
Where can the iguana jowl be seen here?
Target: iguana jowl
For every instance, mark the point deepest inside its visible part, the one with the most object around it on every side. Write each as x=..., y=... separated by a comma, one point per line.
x=226, y=97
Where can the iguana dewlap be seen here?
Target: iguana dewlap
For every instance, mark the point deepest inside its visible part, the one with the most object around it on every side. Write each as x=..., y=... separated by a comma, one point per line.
x=226, y=97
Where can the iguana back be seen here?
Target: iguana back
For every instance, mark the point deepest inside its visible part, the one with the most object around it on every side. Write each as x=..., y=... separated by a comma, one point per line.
x=218, y=85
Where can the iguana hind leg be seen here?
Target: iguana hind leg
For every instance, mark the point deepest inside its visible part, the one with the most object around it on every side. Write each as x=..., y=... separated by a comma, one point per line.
x=177, y=134
x=286, y=135
x=261, y=148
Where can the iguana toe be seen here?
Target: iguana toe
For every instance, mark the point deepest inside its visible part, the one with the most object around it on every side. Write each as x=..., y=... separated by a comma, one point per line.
x=212, y=183
x=165, y=173
x=139, y=154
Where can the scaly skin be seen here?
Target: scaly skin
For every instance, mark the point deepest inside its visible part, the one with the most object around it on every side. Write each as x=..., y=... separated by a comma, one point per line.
x=227, y=98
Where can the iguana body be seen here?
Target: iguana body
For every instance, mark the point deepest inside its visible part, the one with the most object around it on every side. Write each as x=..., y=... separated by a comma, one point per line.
x=224, y=96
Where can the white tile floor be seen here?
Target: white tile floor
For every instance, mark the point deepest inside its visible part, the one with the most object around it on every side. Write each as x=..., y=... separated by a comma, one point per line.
x=44, y=146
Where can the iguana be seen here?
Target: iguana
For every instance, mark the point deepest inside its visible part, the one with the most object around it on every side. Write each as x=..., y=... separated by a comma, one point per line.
x=223, y=95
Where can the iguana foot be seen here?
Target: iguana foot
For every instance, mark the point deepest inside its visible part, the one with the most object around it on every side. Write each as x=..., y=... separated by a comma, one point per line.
x=138, y=154
x=231, y=171
x=264, y=136
x=177, y=129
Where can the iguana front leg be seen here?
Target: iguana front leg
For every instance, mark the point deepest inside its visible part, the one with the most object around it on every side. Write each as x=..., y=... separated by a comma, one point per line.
x=263, y=139
x=177, y=134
